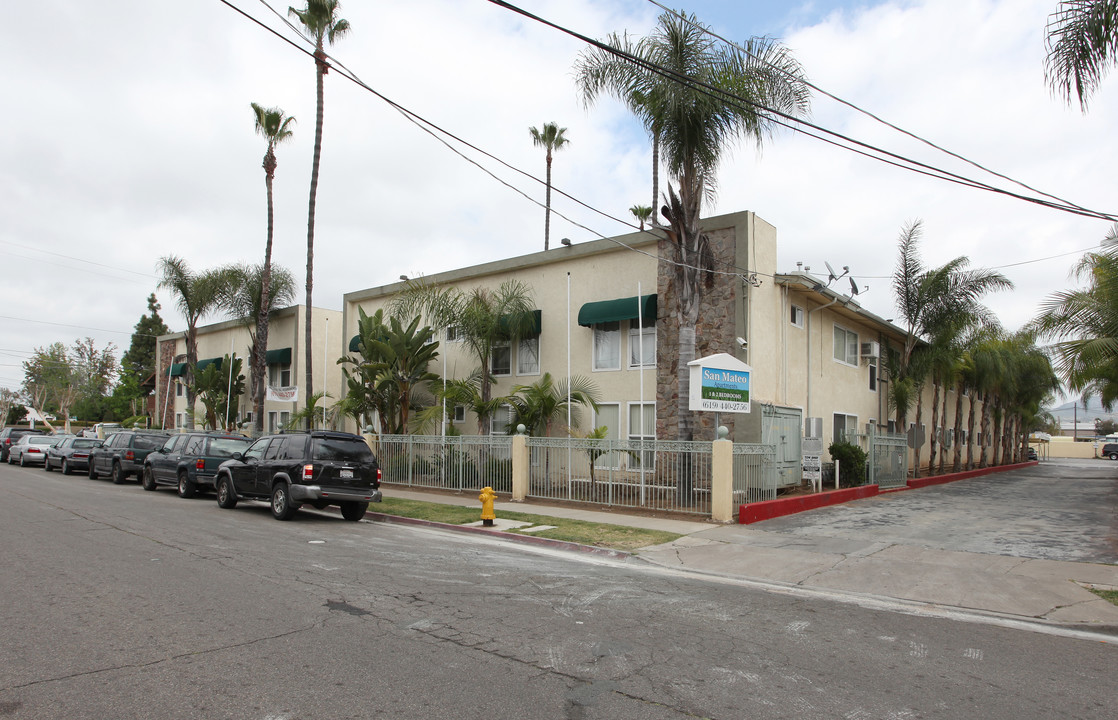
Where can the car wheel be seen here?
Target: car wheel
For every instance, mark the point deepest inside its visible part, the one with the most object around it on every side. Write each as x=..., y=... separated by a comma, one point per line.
x=282, y=507
x=22, y=460
x=187, y=488
x=117, y=473
x=1114, y=456
x=354, y=511
x=226, y=496
x=65, y=467
x=148, y=479
x=92, y=470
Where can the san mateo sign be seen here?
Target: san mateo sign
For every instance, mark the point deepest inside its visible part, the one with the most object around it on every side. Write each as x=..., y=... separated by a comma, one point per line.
x=719, y=383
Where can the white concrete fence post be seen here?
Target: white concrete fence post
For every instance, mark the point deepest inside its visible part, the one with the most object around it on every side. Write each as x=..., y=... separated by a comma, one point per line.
x=722, y=479
x=520, y=465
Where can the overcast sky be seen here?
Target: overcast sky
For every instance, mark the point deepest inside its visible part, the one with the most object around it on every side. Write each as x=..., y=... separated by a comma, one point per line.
x=127, y=135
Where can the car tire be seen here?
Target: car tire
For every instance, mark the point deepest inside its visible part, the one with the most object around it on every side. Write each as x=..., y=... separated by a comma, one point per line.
x=282, y=507
x=148, y=479
x=46, y=464
x=66, y=467
x=117, y=473
x=92, y=470
x=187, y=488
x=354, y=511
x=22, y=460
x=226, y=496
x=1114, y=456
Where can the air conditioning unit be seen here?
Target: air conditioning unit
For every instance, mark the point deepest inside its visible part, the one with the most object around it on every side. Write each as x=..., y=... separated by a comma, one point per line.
x=871, y=350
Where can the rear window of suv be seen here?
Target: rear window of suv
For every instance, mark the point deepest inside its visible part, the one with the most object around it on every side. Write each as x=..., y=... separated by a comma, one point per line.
x=148, y=442
x=344, y=449
x=225, y=447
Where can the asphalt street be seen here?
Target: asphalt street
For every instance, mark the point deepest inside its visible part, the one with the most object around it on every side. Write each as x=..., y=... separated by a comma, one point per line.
x=120, y=603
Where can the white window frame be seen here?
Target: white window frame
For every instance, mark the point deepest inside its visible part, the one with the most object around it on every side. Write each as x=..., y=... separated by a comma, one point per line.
x=180, y=420
x=506, y=347
x=273, y=420
x=180, y=389
x=872, y=362
x=610, y=330
x=531, y=342
x=508, y=414
x=615, y=434
x=284, y=418
x=279, y=375
x=458, y=414
x=848, y=426
x=796, y=316
x=845, y=360
x=637, y=463
x=635, y=332
x=453, y=333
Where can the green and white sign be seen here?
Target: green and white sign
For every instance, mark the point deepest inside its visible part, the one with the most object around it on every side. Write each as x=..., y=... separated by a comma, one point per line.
x=720, y=383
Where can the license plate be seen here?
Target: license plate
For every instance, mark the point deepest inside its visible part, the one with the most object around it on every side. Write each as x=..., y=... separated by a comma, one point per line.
x=346, y=474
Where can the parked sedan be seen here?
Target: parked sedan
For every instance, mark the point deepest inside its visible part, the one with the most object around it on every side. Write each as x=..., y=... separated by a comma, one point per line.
x=190, y=461
x=71, y=454
x=32, y=449
x=10, y=436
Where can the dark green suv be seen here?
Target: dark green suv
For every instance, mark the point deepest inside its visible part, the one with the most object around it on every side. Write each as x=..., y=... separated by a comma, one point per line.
x=123, y=454
x=319, y=468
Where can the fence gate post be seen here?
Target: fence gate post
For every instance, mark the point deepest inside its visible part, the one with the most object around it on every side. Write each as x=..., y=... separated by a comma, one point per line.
x=520, y=466
x=722, y=480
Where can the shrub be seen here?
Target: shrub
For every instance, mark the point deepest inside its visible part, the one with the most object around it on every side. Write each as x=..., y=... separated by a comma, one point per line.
x=852, y=463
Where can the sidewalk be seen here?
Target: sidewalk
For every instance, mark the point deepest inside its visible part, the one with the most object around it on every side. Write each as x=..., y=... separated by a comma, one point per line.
x=1027, y=589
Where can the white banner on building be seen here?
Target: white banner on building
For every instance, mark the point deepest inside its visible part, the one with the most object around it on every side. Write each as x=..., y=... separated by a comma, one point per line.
x=282, y=394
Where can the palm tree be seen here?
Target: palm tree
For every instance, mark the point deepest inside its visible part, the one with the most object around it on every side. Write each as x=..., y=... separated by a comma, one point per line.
x=543, y=402
x=693, y=126
x=550, y=138
x=1082, y=42
x=642, y=213
x=404, y=354
x=243, y=296
x=320, y=24
x=196, y=295
x=275, y=127
x=1084, y=324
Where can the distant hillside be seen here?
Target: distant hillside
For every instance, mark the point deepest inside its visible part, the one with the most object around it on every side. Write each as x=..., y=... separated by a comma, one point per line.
x=1074, y=410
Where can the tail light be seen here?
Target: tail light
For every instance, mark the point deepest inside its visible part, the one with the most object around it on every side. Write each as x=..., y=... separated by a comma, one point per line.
x=33, y=449
x=129, y=455
x=308, y=472
x=199, y=464
x=378, y=474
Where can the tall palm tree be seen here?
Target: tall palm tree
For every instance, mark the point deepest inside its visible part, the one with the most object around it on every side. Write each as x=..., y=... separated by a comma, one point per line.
x=321, y=24
x=1082, y=42
x=543, y=402
x=195, y=296
x=693, y=127
x=275, y=127
x=551, y=138
x=642, y=214
x=1084, y=324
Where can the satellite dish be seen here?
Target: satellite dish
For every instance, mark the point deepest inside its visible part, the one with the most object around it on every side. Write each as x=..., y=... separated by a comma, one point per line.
x=831, y=271
x=853, y=286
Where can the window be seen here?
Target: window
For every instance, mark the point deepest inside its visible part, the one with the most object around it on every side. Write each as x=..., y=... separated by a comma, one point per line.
x=459, y=413
x=500, y=361
x=797, y=316
x=528, y=356
x=454, y=334
x=846, y=346
x=180, y=420
x=272, y=420
x=873, y=374
x=180, y=389
x=637, y=432
x=846, y=427
x=256, y=450
x=642, y=339
x=247, y=417
x=284, y=418
x=501, y=420
x=279, y=375
x=607, y=346
x=610, y=416
x=892, y=427
x=341, y=449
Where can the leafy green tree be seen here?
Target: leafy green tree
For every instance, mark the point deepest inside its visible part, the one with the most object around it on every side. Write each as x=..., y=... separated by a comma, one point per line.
x=218, y=392
x=196, y=296
x=10, y=402
x=551, y=138
x=47, y=380
x=1105, y=427
x=139, y=359
x=642, y=214
x=695, y=127
x=321, y=24
x=1082, y=44
x=275, y=127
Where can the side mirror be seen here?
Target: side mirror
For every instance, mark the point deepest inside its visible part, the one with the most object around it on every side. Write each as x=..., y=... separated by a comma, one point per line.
x=238, y=455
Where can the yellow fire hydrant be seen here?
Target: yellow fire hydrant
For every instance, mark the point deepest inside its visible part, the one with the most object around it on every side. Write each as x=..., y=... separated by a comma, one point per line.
x=487, y=497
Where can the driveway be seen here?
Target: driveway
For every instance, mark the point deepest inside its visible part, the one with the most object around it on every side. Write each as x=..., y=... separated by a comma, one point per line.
x=1063, y=509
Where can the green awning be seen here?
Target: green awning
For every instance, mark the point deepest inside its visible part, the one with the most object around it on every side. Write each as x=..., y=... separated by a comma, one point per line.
x=281, y=356
x=604, y=311
x=176, y=370
x=504, y=323
x=203, y=364
x=355, y=343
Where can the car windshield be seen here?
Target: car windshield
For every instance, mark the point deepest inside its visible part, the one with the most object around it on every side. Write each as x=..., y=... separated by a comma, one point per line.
x=85, y=443
x=345, y=449
x=225, y=447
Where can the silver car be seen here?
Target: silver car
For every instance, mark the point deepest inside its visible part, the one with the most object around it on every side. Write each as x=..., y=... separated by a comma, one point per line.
x=32, y=449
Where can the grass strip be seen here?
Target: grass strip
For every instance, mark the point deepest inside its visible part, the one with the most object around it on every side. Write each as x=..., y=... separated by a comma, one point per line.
x=1108, y=595
x=615, y=537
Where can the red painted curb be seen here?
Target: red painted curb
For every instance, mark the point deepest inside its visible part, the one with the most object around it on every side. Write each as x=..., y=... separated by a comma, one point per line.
x=769, y=509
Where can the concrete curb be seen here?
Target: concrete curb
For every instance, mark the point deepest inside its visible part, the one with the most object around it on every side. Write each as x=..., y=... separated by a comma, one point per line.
x=500, y=535
x=769, y=509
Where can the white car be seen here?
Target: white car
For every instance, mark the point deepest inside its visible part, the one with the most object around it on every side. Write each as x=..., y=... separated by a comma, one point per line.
x=32, y=449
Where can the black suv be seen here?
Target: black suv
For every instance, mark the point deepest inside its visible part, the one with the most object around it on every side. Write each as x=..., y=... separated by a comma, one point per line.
x=319, y=468
x=10, y=436
x=1110, y=450
x=190, y=461
x=123, y=454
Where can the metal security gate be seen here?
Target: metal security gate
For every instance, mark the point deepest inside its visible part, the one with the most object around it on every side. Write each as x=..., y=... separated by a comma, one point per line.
x=781, y=427
x=887, y=459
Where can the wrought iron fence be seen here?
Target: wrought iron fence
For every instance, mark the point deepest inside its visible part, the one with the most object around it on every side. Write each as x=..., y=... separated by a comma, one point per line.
x=450, y=463
x=755, y=473
x=886, y=458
